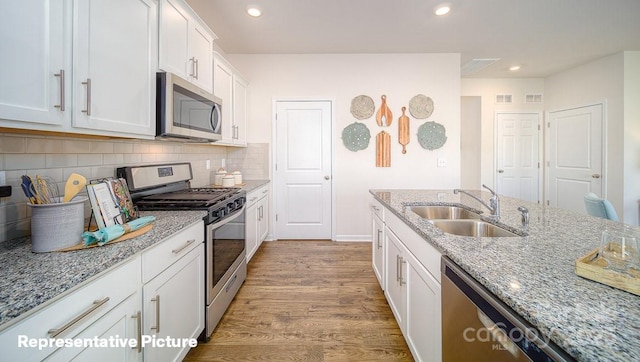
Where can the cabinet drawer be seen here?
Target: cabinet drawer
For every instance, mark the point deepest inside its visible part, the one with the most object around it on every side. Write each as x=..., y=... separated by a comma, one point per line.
x=71, y=314
x=167, y=252
x=257, y=194
x=377, y=209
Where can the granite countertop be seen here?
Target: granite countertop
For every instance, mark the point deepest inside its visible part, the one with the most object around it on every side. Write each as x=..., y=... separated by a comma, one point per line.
x=250, y=185
x=31, y=280
x=535, y=274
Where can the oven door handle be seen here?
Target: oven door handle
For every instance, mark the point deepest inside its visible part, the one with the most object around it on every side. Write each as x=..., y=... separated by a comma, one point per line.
x=234, y=215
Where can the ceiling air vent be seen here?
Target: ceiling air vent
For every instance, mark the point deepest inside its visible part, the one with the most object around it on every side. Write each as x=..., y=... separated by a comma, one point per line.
x=504, y=98
x=475, y=65
x=533, y=98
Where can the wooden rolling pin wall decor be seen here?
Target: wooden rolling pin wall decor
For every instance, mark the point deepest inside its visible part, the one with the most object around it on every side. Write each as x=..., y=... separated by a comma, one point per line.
x=403, y=130
x=384, y=117
x=383, y=149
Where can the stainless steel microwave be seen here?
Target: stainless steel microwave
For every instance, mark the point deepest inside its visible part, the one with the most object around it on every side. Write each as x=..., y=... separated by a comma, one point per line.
x=185, y=111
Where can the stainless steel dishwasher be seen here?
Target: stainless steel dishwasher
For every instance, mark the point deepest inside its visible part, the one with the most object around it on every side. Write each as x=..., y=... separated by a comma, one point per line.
x=476, y=326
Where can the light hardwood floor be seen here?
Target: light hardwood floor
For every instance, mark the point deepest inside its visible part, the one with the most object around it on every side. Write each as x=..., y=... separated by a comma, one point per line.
x=307, y=301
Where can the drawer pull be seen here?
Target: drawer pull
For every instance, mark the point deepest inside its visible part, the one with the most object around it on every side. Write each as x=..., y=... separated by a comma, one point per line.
x=87, y=110
x=379, y=237
x=53, y=333
x=157, y=326
x=138, y=318
x=62, y=101
x=178, y=251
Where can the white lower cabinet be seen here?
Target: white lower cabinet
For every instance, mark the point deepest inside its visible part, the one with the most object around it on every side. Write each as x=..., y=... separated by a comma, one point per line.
x=257, y=219
x=103, y=307
x=412, y=288
x=144, y=300
x=378, y=242
x=174, y=307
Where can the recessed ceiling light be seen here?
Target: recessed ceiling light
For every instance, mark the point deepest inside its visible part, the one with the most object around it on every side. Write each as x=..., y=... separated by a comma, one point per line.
x=514, y=68
x=254, y=11
x=442, y=9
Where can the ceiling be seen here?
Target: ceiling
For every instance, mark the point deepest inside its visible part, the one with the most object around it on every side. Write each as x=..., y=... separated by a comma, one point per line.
x=543, y=36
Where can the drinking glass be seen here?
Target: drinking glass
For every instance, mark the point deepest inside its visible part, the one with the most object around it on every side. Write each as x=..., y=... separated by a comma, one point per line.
x=619, y=250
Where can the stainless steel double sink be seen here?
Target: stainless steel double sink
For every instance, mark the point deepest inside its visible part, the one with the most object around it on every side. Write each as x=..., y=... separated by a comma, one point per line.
x=460, y=221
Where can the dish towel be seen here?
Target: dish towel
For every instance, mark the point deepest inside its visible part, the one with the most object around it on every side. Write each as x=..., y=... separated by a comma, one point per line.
x=105, y=235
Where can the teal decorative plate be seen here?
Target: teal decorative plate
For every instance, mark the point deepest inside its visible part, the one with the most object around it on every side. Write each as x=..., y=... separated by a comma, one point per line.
x=431, y=135
x=356, y=136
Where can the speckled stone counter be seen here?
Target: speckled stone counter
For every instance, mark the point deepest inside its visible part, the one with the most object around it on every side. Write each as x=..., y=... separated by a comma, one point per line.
x=250, y=185
x=535, y=274
x=29, y=280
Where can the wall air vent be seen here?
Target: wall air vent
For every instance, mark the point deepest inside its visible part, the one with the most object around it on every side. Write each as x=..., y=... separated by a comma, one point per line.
x=475, y=65
x=504, y=98
x=533, y=98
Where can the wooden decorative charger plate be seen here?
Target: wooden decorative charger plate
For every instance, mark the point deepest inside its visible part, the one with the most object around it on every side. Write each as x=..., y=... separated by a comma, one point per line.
x=124, y=237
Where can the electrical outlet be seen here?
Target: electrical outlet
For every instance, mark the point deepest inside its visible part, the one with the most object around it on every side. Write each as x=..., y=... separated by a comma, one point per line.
x=208, y=164
x=3, y=178
x=442, y=162
x=441, y=196
x=223, y=163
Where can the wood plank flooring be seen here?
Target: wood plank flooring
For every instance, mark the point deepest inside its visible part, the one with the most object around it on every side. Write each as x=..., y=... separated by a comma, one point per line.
x=307, y=301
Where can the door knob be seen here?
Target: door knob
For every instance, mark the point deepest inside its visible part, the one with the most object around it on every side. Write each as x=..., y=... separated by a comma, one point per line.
x=327, y=177
x=595, y=175
x=500, y=171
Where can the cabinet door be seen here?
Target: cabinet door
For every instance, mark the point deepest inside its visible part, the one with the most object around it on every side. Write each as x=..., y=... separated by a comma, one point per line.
x=115, y=58
x=35, y=47
x=174, y=39
x=223, y=88
x=377, y=248
x=423, y=312
x=240, y=87
x=263, y=224
x=251, y=227
x=395, y=289
x=122, y=323
x=201, y=52
x=173, y=305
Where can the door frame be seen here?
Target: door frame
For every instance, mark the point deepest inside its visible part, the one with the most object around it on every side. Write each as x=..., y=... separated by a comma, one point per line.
x=605, y=146
x=274, y=125
x=541, y=149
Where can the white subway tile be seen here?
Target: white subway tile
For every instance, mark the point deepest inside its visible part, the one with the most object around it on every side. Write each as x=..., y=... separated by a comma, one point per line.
x=113, y=159
x=44, y=145
x=12, y=144
x=89, y=159
x=24, y=161
x=132, y=158
x=61, y=160
x=101, y=147
x=76, y=146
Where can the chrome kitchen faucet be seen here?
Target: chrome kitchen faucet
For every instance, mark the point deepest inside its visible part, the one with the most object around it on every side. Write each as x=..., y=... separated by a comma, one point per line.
x=494, y=201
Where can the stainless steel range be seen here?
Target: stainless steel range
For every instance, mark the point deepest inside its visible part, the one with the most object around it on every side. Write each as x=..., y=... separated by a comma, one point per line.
x=167, y=187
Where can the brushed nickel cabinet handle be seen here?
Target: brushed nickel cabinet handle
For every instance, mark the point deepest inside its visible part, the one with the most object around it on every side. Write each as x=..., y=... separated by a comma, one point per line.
x=197, y=67
x=595, y=175
x=157, y=326
x=379, y=237
x=54, y=332
x=402, y=281
x=87, y=110
x=138, y=318
x=62, y=100
x=398, y=268
x=189, y=242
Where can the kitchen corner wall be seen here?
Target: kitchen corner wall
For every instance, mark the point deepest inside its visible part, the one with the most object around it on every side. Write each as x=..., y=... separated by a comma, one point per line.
x=340, y=78
x=58, y=157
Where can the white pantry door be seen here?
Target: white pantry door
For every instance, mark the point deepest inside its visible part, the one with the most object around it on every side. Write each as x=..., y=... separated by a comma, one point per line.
x=517, y=155
x=575, y=156
x=303, y=170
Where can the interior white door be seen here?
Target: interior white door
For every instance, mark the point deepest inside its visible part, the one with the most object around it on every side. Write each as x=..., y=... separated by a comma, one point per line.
x=517, y=164
x=575, y=156
x=303, y=170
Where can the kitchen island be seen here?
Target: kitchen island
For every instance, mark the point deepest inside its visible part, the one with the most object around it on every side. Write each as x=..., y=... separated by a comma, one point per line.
x=535, y=274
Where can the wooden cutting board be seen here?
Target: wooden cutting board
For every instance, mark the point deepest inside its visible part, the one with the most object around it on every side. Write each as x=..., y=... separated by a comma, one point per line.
x=383, y=149
x=384, y=117
x=403, y=130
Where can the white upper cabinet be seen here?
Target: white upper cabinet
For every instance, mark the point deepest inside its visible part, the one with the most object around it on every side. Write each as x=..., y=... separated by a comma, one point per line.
x=36, y=63
x=114, y=65
x=79, y=66
x=186, y=44
x=232, y=88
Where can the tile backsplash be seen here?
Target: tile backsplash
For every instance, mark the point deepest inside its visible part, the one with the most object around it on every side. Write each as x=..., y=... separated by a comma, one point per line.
x=58, y=157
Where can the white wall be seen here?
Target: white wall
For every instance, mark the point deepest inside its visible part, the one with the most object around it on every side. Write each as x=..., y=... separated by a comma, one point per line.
x=631, y=137
x=470, y=142
x=342, y=77
x=487, y=90
x=599, y=81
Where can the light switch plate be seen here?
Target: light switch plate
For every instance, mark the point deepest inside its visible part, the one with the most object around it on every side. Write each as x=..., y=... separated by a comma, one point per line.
x=3, y=178
x=208, y=164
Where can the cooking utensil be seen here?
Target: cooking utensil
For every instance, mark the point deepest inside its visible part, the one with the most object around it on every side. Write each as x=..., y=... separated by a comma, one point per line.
x=27, y=187
x=403, y=130
x=383, y=149
x=46, y=190
x=75, y=183
x=384, y=115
